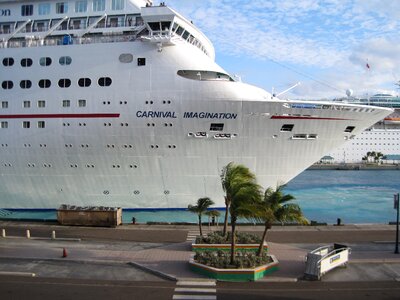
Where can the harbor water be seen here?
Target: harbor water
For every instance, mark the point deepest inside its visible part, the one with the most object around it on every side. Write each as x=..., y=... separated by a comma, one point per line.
x=356, y=196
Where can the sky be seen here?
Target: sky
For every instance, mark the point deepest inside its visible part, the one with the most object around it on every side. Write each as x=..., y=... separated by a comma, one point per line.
x=324, y=45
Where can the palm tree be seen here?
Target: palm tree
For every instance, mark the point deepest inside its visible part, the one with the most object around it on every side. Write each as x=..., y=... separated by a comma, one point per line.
x=200, y=209
x=230, y=173
x=244, y=193
x=275, y=208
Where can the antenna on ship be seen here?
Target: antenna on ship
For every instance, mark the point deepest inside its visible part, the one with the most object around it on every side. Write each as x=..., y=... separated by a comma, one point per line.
x=287, y=90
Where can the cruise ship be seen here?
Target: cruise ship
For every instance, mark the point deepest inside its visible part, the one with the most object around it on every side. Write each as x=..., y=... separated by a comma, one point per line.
x=121, y=103
x=383, y=136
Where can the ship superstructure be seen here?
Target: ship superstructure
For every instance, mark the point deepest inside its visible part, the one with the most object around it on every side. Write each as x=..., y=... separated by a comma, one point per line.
x=120, y=103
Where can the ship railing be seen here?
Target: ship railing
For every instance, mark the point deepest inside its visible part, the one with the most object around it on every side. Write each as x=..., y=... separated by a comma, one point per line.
x=58, y=41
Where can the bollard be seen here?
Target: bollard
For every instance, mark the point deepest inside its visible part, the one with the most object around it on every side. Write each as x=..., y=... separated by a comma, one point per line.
x=28, y=234
x=64, y=252
x=53, y=235
x=3, y=233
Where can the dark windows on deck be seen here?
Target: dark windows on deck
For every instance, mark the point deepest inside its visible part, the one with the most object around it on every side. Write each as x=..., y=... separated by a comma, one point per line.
x=287, y=127
x=141, y=61
x=27, y=10
x=349, y=129
x=217, y=127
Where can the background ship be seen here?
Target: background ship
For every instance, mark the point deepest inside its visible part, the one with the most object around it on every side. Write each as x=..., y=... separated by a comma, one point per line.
x=383, y=136
x=120, y=103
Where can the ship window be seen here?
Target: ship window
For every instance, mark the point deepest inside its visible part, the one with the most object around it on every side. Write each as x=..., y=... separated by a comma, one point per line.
x=66, y=103
x=8, y=61
x=41, y=103
x=41, y=124
x=61, y=7
x=64, y=83
x=26, y=124
x=217, y=127
x=117, y=4
x=141, y=61
x=4, y=104
x=25, y=84
x=81, y=6
x=65, y=60
x=27, y=104
x=45, y=61
x=287, y=127
x=104, y=81
x=84, y=82
x=44, y=83
x=27, y=10
x=204, y=75
x=82, y=103
x=155, y=26
x=44, y=9
x=7, y=85
x=299, y=136
x=349, y=129
x=126, y=58
x=99, y=5
x=26, y=62
x=4, y=124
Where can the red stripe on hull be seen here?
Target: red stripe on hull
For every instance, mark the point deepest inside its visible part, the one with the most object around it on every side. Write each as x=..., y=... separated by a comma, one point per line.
x=60, y=116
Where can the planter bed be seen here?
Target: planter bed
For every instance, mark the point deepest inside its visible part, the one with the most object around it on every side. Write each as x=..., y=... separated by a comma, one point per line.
x=235, y=274
x=227, y=247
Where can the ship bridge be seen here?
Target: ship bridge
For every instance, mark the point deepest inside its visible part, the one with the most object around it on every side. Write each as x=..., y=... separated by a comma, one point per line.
x=167, y=27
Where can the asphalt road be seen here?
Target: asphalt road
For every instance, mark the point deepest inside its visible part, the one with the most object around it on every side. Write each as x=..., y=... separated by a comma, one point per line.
x=43, y=289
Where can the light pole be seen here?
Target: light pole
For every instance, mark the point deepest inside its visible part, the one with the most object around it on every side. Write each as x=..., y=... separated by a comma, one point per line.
x=396, y=206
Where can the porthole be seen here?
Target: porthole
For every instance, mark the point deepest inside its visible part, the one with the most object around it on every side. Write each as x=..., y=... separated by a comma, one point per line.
x=25, y=84
x=64, y=83
x=8, y=61
x=44, y=83
x=7, y=85
x=45, y=61
x=104, y=81
x=26, y=62
x=126, y=58
x=84, y=82
x=65, y=60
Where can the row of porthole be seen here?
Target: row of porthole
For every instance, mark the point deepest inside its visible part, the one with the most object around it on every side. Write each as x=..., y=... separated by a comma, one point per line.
x=33, y=165
x=135, y=192
x=62, y=83
x=43, y=61
x=164, y=102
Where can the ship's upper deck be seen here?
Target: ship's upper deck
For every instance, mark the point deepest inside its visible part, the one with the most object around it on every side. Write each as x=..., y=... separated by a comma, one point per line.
x=44, y=23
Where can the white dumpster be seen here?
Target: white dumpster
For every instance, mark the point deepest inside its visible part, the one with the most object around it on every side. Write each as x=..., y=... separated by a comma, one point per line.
x=324, y=259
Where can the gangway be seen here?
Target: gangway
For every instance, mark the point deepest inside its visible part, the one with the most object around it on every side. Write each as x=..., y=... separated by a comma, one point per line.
x=324, y=259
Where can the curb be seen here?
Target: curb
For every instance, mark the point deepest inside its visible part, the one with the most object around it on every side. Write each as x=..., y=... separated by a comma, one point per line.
x=23, y=274
x=152, y=271
x=79, y=261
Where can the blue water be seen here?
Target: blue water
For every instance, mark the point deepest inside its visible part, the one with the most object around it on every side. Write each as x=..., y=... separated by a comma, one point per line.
x=354, y=196
x=364, y=196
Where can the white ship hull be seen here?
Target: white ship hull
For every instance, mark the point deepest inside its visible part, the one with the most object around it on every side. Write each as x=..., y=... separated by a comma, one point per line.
x=146, y=140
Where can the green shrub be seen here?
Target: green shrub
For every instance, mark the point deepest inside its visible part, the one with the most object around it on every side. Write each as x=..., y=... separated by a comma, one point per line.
x=217, y=238
x=221, y=259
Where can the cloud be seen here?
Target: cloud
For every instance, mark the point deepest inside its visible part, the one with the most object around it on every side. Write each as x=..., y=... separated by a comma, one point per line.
x=330, y=40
